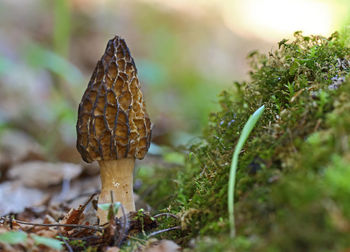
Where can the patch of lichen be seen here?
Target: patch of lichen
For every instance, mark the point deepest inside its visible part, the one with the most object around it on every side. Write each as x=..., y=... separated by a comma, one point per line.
x=293, y=177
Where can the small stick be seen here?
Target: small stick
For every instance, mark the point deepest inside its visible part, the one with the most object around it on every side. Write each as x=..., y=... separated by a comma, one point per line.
x=89, y=237
x=111, y=206
x=89, y=200
x=92, y=194
x=165, y=214
x=58, y=225
x=11, y=220
x=66, y=243
x=162, y=231
x=136, y=239
x=123, y=230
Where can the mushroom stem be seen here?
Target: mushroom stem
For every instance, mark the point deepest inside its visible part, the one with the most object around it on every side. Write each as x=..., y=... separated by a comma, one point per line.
x=116, y=176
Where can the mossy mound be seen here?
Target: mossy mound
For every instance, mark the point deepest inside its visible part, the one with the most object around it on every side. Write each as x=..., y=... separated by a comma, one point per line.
x=293, y=179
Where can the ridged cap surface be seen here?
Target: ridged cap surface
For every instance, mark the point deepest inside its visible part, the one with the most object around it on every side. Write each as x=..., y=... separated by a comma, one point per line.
x=112, y=118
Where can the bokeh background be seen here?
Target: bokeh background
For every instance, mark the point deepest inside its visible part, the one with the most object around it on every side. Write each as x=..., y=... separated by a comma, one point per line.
x=186, y=53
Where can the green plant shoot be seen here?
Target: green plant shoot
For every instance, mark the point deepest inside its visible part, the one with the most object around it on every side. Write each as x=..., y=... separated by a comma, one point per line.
x=13, y=237
x=248, y=127
x=49, y=242
x=112, y=208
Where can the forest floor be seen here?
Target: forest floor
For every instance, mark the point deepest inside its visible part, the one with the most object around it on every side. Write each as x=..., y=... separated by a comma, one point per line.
x=292, y=186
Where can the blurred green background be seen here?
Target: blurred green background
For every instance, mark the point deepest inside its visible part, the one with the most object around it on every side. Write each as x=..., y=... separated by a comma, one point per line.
x=186, y=52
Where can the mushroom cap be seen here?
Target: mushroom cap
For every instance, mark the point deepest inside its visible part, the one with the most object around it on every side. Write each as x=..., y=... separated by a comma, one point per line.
x=112, y=118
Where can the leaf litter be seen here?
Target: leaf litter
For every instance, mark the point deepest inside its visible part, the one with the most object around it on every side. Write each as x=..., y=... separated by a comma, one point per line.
x=70, y=229
x=44, y=208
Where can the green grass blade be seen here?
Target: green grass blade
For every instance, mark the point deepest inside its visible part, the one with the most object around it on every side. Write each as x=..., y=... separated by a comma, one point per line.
x=49, y=242
x=13, y=237
x=248, y=127
x=62, y=27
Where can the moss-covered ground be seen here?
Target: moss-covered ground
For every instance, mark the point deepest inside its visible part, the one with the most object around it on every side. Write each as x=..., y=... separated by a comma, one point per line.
x=293, y=179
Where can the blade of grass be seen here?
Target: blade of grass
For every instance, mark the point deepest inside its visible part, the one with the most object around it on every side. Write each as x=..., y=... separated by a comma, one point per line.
x=248, y=127
x=13, y=237
x=62, y=20
x=49, y=242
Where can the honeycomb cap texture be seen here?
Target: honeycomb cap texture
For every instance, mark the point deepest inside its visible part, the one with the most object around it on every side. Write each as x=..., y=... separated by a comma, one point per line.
x=112, y=118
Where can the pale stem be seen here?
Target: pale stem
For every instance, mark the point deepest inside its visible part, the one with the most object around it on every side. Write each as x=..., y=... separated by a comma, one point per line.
x=116, y=176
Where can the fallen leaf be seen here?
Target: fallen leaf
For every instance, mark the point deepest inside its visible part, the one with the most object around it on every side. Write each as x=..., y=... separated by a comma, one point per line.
x=13, y=237
x=43, y=174
x=162, y=246
x=75, y=216
x=49, y=242
x=112, y=249
x=18, y=146
x=49, y=233
x=15, y=197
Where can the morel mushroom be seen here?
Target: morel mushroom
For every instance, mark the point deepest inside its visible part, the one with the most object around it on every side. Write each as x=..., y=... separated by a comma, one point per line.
x=113, y=126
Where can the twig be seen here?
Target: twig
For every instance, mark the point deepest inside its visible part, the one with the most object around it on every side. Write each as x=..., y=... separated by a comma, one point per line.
x=89, y=200
x=162, y=231
x=58, y=225
x=165, y=214
x=125, y=220
x=111, y=215
x=114, y=218
x=65, y=242
x=7, y=219
x=82, y=195
x=112, y=196
x=111, y=210
x=137, y=239
x=89, y=237
x=11, y=219
x=123, y=230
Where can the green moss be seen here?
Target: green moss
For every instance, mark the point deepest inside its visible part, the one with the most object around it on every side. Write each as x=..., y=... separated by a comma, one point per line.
x=292, y=188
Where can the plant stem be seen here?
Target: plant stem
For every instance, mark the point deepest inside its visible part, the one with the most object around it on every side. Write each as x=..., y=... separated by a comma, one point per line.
x=248, y=127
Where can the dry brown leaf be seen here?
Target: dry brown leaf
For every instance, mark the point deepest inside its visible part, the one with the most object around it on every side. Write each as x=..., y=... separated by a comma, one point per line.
x=14, y=197
x=73, y=217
